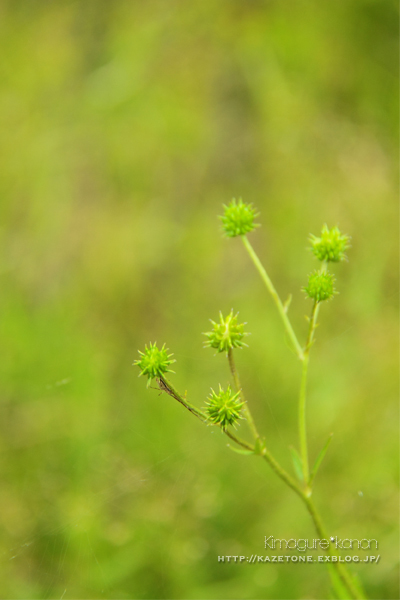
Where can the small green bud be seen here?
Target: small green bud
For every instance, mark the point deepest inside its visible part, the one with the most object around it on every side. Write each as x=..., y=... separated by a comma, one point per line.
x=238, y=218
x=226, y=334
x=154, y=362
x=224, y=408
x=320, y=286
x=331, y=246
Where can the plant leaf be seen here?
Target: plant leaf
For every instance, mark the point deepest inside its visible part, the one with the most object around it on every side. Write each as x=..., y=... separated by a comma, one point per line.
x=259, y=446
x=287, y=303
x=297, y=463
x=320, y=458
x=240, y=450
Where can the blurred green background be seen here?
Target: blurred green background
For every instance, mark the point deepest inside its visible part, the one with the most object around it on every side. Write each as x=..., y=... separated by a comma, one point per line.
x=124, y=127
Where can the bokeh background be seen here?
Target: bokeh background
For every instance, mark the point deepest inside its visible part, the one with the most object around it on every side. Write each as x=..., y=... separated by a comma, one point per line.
x=124, y=128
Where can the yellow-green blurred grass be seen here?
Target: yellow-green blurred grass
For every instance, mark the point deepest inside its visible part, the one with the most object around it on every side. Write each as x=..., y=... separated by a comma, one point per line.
x=124, y=129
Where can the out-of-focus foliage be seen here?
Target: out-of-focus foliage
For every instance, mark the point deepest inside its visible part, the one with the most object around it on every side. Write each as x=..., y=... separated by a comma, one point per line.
x=124, y=128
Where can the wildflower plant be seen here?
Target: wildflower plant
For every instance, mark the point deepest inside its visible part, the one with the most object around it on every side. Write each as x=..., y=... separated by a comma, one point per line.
x=226, y=408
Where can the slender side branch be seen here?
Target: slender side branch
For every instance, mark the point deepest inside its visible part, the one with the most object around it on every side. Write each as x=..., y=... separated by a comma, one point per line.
x=238, y=388
x=166, y=386
x=275, y=296
x=302, y=396
x=238, y=440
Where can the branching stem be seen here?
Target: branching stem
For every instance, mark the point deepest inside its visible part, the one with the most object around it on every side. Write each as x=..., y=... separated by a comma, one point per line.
x=342, y=572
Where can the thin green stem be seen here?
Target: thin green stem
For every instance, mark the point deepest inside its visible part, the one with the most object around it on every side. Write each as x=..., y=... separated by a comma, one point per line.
x=303, y=395
x=281, y=309
x=238, y=440
x=302, y=421
x=275, y=466
x=239, y=389
x=166, y=386
x=340, y=568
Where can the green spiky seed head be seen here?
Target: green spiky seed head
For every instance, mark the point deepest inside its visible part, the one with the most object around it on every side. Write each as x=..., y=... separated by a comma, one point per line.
x=227, y=334
x=154, y=362
x=320, y=286
x=238, y=218
x=224, y=408
x=331, y=246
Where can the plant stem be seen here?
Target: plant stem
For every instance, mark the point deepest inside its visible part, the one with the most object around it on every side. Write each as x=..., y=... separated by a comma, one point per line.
x=302, y=396
x=275, y=466
x=275, y=296
x=238, y=388
x=302, y=421
x=238, y=440
x=166, y=386
x=340, y=568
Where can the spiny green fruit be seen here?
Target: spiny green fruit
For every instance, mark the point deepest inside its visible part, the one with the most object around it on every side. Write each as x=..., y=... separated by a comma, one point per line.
x=154, y=362
x=331, y=246
x=238, y=218
x=226, y=334
x=320, y=286
x=224, y=408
